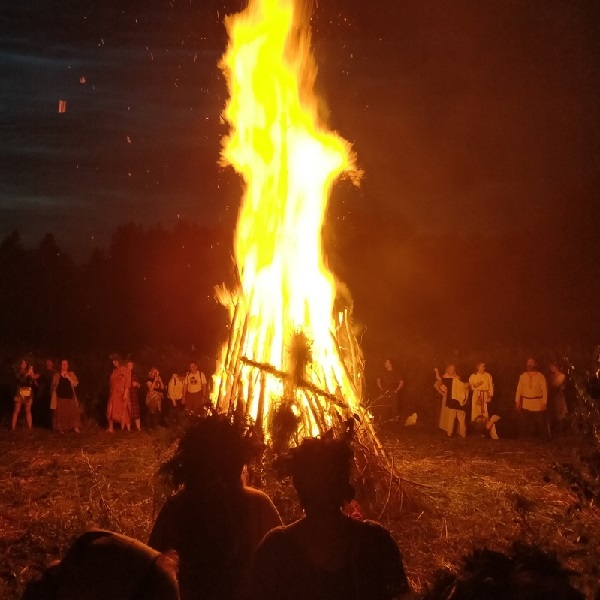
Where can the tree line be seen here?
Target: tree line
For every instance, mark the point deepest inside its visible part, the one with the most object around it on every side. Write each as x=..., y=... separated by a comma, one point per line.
x=155, y=286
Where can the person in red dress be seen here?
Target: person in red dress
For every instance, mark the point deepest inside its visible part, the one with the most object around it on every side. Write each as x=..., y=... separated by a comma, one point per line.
x=119, y=407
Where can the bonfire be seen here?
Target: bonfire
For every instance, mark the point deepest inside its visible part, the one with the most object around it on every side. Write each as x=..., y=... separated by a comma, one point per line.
x=291, y=364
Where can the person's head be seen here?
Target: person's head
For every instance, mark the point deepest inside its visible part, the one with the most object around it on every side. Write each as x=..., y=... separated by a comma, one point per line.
x=130, y=365
x=451, y=370
x=210, y=457
x=153, y=373
x=193, y=367
x=480, y=367
x=49, y=364
x=64, y=365
x=554, y=368
x=525, y=573
x=23, y=365
x=531, y=364
x=387, y=363
x=116, y=359
x=321, y=469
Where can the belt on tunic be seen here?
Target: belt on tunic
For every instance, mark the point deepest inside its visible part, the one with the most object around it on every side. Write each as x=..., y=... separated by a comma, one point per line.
x=532, y=397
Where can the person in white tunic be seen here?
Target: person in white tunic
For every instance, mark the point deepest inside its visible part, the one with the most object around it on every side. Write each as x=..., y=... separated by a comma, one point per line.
x=482, y=385
x=531, y=400
x=454, y=393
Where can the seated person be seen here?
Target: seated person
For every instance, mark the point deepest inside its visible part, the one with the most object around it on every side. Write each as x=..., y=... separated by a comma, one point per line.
x=525, y=573
x=102, y=565
x=327, y=555
x=214, y=522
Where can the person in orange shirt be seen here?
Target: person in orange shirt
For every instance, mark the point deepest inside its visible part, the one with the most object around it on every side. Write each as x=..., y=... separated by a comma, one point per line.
x=118, y=409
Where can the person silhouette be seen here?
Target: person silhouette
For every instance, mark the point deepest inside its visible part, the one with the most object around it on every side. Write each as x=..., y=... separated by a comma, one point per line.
x=101, y=564
x=326, y=554
x=214, y=522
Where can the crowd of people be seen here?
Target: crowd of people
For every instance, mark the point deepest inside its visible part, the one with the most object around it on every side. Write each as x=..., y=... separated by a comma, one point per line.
x=540, y=403
x=460, y=405
x=218, y=538
x=54, y=392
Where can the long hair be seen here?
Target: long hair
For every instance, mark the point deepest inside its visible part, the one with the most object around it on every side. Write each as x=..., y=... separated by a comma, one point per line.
x=211, y=452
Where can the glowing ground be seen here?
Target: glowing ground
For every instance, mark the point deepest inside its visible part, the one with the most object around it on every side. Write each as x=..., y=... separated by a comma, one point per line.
x=478, y=492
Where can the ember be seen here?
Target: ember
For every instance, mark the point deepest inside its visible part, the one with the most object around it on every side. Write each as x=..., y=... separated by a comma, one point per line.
x=288, y=348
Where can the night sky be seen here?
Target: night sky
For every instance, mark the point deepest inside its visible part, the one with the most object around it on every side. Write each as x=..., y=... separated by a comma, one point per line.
x=466, y=116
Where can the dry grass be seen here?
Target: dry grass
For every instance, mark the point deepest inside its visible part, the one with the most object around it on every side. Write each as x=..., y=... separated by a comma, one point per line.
x=53, y=487
x=464, y=493
x=484, y=493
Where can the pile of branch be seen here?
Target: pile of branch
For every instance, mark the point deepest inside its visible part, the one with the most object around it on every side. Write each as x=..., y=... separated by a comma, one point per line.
x=377, y=480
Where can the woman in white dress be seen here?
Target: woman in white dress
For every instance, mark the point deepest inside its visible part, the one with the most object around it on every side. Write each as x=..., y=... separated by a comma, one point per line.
x=482, y=384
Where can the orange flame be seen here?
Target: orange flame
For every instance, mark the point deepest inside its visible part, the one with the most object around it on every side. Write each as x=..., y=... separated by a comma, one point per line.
x=289, y=162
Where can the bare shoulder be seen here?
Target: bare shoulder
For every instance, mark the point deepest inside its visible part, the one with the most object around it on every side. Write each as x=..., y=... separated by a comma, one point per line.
x=257, y=497
x=262, y=504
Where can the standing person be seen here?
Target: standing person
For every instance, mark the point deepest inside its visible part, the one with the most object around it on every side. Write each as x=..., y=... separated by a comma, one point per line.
x=194, y=390
x=41, y=410
x=64, y=400
x=134, y=396
x=214, y=521
x=175, y=393
x=327, y=555
x=531, y=400
x=118, y=409
x=26, y=381
x=154, y=397
x=390, y=383
x=454, y=394
x=482, y=384
x=557, y=402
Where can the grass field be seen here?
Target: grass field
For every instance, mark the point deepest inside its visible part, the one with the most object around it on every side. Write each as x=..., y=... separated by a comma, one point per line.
x=460, y=493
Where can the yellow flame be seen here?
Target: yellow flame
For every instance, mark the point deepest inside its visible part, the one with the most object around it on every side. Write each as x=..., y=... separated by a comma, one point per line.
x=288, y=161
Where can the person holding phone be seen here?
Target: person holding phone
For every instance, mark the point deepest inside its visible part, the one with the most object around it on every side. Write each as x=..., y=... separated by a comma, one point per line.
x=154, y=397
x=26, y=381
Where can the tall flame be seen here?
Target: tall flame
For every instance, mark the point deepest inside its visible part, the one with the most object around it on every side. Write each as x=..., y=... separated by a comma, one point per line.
x=289, y=162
